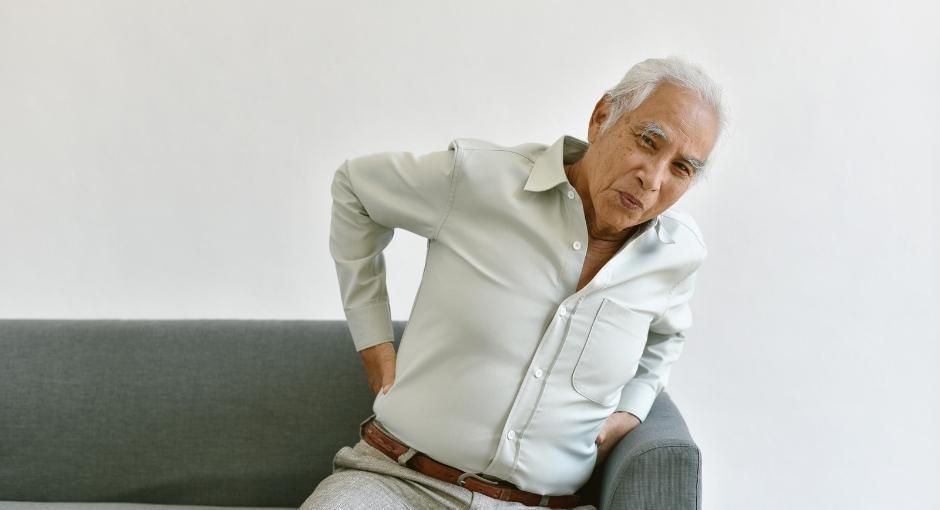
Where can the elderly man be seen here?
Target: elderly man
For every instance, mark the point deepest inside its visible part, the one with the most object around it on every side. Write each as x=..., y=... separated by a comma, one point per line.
x=553, y=303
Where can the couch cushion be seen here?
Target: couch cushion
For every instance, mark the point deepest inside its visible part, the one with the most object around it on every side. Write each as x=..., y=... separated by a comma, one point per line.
x=199, y=412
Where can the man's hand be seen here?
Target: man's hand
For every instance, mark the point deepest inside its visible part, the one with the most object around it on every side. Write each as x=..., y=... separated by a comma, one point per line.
x=617, y=425
x=379, y=362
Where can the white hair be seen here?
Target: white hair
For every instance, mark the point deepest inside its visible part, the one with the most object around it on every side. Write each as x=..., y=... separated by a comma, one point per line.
x=643, y=78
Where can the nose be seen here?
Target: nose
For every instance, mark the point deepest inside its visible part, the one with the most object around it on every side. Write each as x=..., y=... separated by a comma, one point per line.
x=652, y=173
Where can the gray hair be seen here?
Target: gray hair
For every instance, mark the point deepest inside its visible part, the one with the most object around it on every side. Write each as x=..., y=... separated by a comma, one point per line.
x=643, y=78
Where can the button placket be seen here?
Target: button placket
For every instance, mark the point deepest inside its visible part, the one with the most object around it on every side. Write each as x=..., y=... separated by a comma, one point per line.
x=503, y=462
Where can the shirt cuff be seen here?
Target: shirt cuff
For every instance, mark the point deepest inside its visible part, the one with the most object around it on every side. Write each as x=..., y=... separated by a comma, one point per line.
x=370, y=325
x=637, y=399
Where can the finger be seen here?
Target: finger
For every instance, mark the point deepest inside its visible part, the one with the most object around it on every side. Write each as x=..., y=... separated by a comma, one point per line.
x=386, y=387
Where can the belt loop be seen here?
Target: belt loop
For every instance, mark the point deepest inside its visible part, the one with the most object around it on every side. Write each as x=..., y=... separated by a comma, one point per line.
x=543, y=501
x=405, y=457
x=461, y=480
x=363, y=424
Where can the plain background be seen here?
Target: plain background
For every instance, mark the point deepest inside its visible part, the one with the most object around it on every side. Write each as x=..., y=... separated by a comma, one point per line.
x=167, y=159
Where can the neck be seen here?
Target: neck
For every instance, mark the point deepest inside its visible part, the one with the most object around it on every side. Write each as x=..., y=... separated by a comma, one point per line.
x=597, y=241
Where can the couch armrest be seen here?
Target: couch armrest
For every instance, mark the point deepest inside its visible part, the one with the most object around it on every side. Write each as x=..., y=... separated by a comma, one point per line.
x=657, y=465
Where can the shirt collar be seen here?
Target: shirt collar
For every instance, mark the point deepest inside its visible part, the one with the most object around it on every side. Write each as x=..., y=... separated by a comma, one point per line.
x=548, y=172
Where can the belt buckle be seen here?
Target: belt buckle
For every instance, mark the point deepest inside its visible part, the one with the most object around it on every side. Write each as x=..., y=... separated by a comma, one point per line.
x=462, y=479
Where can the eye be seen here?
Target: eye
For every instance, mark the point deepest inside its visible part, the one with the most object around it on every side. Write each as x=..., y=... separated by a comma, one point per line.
x=647, y=140
x=685, y=169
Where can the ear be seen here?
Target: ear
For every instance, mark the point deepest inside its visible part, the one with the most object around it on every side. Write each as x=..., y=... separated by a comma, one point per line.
x=601, y=111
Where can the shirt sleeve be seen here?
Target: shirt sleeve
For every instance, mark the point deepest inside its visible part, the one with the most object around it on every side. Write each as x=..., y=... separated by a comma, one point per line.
x=372, y=195
x=663, y=346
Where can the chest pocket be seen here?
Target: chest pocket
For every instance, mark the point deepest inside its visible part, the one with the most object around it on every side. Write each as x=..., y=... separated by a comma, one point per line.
x=611, y=352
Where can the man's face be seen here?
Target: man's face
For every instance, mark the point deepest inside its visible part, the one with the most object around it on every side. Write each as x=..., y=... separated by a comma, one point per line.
x=649, y=153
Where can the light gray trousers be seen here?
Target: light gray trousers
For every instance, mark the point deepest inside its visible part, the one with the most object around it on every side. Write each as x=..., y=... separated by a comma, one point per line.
x=365, y=478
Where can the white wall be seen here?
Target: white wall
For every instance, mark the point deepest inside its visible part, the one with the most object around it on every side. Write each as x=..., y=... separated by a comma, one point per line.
x=170, y=159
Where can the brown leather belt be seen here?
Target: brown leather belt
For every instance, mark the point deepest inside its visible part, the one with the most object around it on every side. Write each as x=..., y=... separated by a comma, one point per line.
x=501, y=490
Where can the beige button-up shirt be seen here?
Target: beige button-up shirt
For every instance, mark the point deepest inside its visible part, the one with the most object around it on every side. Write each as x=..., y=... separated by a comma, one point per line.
x=503, y=369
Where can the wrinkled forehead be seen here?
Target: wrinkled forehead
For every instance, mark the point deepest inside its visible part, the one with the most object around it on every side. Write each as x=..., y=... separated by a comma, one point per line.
x=678, y=117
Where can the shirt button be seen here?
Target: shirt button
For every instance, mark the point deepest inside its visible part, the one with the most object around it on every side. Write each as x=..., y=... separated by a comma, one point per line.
x=511, y=435
x=570, y=194
x=538, y=373
x=563, y=310
x=576, y=245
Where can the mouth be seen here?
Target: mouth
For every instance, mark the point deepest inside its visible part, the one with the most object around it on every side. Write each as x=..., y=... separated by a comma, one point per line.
x=630, y=201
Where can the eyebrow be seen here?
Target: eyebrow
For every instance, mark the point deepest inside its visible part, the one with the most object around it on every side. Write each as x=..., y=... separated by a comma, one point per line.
x=654, y=129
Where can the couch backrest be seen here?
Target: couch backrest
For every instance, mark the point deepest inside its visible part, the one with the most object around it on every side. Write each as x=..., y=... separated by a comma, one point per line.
x=201, y=412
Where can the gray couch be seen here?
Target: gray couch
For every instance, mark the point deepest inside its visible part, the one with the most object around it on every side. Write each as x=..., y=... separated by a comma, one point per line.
x=230, y=413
